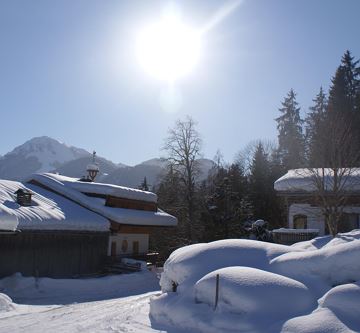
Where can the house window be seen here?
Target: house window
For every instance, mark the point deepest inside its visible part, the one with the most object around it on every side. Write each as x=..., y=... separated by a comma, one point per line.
x=300, y=222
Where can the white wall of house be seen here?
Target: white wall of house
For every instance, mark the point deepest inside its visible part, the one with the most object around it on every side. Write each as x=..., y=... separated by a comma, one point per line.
x=122, y=239
x=315, y=218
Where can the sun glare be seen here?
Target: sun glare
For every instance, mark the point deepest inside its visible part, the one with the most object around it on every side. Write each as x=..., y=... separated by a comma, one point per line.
x=168, y=49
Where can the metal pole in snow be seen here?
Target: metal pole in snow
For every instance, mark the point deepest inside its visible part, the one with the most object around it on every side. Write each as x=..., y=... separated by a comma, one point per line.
x=217, y=291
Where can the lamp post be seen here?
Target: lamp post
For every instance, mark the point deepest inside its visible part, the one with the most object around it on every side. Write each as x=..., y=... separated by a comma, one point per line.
x=92, y=168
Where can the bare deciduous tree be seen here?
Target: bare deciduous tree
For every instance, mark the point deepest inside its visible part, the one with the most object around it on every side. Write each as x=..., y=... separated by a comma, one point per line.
x=334, y=184
x=183, y=147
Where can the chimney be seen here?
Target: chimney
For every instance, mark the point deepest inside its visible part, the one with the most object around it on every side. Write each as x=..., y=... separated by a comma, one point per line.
x=23, y=197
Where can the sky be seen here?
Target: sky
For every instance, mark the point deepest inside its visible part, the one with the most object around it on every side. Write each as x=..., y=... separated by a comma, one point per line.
x=69, y=70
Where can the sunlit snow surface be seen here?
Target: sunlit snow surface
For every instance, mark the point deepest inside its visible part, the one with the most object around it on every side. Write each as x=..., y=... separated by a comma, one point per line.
x=108, y=304
x=313, y=286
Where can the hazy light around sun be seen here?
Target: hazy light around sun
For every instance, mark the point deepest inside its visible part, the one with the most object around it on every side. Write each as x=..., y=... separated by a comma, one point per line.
x=168, y=49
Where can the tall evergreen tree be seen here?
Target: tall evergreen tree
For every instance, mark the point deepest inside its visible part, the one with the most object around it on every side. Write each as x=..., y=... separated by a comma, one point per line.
x=259, y=183
x=342, y=119
x=291, y=139
x=315, y=122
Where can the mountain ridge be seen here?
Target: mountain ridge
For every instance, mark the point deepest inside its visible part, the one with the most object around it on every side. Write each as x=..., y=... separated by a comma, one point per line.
x=45, y=154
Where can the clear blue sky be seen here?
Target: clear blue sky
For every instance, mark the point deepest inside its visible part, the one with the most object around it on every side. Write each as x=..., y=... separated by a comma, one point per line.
x=68, y=70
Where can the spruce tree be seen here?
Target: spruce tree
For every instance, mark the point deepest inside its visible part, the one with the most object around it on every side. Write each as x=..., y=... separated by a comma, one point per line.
x=315, y=122
x=291, y=139
x=260, y=183
x=343, y=116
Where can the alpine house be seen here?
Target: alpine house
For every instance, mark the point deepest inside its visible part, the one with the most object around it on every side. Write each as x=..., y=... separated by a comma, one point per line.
x=57, y=226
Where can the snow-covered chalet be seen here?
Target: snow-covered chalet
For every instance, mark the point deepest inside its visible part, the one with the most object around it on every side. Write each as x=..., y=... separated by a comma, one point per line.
x=57, y=226
x=298, y=187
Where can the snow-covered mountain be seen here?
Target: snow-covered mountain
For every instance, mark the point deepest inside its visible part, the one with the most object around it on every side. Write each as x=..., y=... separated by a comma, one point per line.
x=43, y=154
x=39, y=154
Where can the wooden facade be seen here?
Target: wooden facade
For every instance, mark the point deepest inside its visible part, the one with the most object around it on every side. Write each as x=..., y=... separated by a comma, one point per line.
x=56, y=254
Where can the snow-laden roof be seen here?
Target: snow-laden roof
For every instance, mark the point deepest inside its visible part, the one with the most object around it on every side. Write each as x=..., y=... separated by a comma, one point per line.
x=98, y=188
x=74, y=190
x=300, y=180
x=48, y=212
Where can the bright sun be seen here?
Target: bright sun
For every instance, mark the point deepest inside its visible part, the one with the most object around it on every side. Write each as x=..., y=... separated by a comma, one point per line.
x=168, y=49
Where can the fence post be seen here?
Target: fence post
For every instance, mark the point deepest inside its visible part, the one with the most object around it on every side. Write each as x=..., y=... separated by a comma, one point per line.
x=217, y=291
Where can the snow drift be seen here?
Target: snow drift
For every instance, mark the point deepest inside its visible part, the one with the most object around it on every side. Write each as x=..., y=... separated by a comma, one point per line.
x=336, y=264
x=191, y=263
x=313, y=286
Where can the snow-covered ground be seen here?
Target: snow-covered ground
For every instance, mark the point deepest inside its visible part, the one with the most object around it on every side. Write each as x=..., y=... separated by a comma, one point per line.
x=313, y=286
x=108, y=304
x=310, y=287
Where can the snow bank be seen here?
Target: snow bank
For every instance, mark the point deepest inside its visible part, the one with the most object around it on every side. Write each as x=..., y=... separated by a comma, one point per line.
x=327, y=241
x=335, y=264
x=344, y=301
x=305, y=288
x=45, y=291
x=191, y=263
x=6, y=303
x=255, y=293
x=319, y=321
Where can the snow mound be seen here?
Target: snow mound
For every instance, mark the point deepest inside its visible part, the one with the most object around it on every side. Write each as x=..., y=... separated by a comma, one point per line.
x=327, y=241
x=6, y=303
x=306, y=288
x=319, y=321
x=335, y=265
x=191, y=263
x=344, y=301
x=256, y=293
